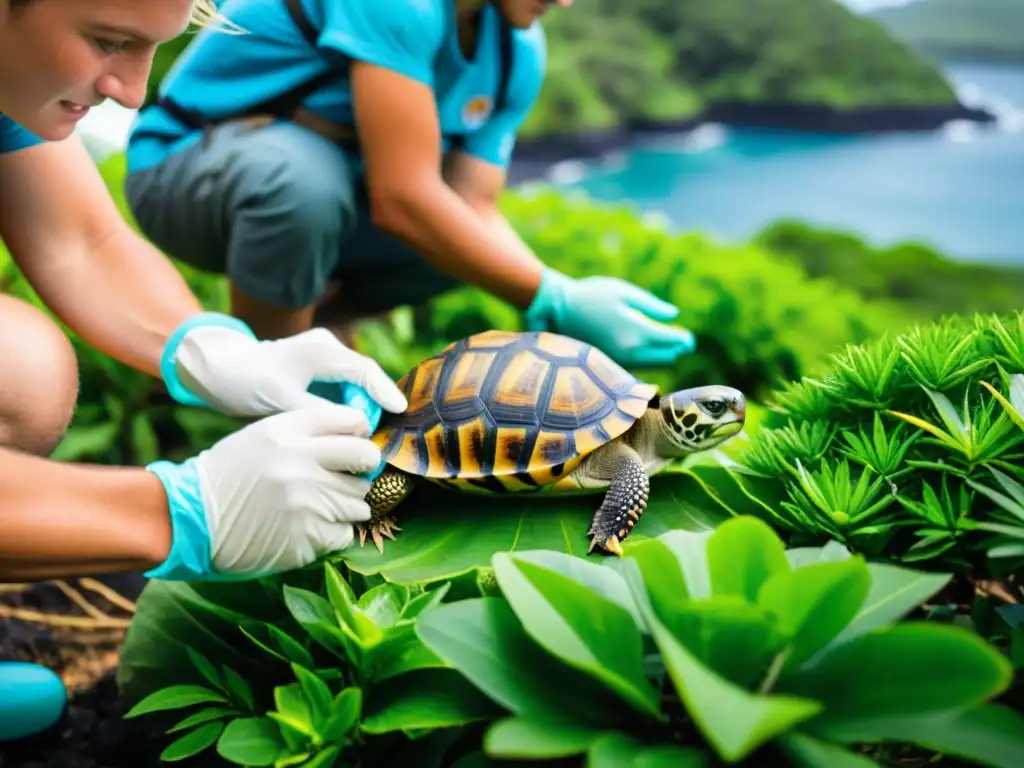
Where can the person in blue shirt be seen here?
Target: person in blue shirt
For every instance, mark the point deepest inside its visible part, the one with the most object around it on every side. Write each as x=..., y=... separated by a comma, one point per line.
x=339, y=159
x=275, y=495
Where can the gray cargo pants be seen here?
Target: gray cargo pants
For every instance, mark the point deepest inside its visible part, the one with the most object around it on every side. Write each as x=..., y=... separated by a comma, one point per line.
x=282, y=212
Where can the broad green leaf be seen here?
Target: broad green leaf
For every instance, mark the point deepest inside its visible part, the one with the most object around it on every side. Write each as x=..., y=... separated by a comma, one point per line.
x=380, y=605
x=293, y=709
x=206, y=669
x=346, y=710
x=317, y=693
x=316, y=616
x=202, y=716
x=663, y=575
x=176, y=697
x=616, y=750
x=742, y=554
x=990, y=735
x=727, y=634
x=809, y=752
x=833, y=551
x=400, y=650
x=896, y=671
x=239, y=688
x=583, y=629
x=328, y=757
x=537, y=738
x=813, y=604
x=690, y=549
x=895, y=591
x=445, y=534
x=173, y=616
x=432, y=698
x=599, y=577
x=192, y=743
x=251, y=741
x=483, y=639
x=734, y=721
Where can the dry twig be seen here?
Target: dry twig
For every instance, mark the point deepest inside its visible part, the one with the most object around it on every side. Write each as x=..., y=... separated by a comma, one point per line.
x=106, y=592
x=78, y=622
x=78, y=599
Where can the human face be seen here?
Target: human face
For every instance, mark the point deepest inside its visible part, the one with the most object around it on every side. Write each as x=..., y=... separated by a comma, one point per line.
x=521, y=14
x=59, y=58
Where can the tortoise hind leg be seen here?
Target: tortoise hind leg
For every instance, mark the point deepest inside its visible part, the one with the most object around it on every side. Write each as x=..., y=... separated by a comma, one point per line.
x=386, y=492
x=629, y=485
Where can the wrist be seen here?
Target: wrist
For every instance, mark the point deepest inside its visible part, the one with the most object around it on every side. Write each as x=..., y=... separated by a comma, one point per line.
x=541, y=312
x=169, y=358
x=189, y=555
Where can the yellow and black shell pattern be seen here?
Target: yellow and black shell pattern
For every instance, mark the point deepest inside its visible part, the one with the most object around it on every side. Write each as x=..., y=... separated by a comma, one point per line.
x=506, y=411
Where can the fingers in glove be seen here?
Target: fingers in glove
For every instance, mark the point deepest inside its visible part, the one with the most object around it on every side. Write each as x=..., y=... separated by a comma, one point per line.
x=321, y=417
x=326, y=359
x=656, y=333
x=646, y=302
x=332, y=537
x=344, y=453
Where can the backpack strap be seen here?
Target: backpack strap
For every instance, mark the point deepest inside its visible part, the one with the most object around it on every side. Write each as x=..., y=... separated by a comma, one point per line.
x=285, y=104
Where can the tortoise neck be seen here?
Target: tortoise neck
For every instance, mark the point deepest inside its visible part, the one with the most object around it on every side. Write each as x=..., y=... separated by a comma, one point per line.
x=650, y=437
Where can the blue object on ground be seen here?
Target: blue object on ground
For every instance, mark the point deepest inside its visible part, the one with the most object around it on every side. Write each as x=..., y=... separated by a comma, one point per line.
x=32, y=698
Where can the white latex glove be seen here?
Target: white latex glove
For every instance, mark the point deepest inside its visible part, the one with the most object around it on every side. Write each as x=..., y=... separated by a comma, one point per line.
x=274, y=496
x=239, y=375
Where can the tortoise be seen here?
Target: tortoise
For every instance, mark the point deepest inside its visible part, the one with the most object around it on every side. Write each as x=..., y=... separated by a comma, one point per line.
x=502, y=412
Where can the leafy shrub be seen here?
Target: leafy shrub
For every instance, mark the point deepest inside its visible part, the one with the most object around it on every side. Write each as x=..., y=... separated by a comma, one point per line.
x=907, y=447
x=921, y=281
x=695, y=647
x=749, y=309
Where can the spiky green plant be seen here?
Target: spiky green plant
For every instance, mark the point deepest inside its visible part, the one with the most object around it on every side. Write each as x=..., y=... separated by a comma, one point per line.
x=910, y=447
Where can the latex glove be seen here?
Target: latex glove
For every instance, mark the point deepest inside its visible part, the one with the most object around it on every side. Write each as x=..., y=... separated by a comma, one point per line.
x=274, y=496
x=215, y=360
x=618, y=317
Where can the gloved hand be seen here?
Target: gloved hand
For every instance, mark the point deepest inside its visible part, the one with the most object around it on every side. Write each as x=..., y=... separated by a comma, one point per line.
x=274, y=496
x=215, y=360
x=616, y=316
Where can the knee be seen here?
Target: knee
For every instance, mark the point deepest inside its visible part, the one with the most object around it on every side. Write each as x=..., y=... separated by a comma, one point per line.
x=38, y=381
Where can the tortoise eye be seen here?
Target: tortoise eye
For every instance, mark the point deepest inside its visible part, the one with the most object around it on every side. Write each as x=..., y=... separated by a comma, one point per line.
x=714, y=407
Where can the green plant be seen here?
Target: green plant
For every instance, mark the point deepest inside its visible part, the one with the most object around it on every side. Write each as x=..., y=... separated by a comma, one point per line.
x=893, y=450
x=724, y=646
x=349, y=680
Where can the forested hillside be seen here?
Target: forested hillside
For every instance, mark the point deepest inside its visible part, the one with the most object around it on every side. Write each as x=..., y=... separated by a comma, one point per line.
x=613, y=63
x=984, y=30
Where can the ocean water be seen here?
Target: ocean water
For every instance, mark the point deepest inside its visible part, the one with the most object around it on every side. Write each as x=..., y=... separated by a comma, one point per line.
x=959, y=189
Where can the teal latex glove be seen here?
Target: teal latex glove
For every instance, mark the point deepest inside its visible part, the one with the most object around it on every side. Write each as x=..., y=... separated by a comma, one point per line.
x=621, y=319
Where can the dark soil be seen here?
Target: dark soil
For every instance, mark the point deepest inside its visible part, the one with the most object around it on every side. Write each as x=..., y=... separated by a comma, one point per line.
x=91, y=733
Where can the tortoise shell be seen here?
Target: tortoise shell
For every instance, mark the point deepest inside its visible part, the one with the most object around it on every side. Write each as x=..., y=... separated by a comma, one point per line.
x=505, y=411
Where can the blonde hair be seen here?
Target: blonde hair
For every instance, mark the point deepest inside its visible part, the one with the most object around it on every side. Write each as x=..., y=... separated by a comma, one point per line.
x=205, y=14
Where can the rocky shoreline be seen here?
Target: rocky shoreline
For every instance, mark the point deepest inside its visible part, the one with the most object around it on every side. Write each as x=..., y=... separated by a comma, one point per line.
x=534, y=156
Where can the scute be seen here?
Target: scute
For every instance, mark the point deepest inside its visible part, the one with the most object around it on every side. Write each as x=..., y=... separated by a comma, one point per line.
x=501, y=411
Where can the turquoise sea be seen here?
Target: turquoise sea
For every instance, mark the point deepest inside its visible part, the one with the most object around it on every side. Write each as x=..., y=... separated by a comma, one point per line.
x=959, y=189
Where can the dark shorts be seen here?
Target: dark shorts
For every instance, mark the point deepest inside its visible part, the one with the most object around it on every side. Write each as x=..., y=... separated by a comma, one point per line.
x=280, y=211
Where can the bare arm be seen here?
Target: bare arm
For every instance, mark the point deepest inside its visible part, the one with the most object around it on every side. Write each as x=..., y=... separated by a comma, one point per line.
x=401, y=146
x=480, y=184
x=104, y=281
x=59, y=519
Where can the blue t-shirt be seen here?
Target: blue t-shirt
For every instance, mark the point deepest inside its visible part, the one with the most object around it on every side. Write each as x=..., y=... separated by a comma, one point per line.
x=223, y=71
x=13, y=137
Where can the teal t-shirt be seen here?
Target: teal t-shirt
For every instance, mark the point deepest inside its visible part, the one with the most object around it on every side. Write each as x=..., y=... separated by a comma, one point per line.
x=223, y=72
x=13, y=137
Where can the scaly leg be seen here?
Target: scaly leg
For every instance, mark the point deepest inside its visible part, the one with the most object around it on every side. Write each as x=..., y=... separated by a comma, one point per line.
x=622, y=468
x=386, y=492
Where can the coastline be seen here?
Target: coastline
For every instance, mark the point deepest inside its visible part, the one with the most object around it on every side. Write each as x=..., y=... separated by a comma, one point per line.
x=533, y=156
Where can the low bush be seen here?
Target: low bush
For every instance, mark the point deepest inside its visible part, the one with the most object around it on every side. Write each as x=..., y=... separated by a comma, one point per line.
x=695, y=649
x=909, y=447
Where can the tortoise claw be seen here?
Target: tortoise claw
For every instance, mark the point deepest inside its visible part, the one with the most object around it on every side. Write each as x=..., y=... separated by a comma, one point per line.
x=611, y=544
x=378, y=530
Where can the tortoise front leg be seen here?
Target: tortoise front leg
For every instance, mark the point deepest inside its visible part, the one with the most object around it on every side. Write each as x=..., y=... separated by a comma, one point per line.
x=386, y=492
x=624, y=501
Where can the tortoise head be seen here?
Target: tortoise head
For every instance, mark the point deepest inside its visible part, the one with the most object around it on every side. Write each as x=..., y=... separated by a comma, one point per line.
x=700, y=418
